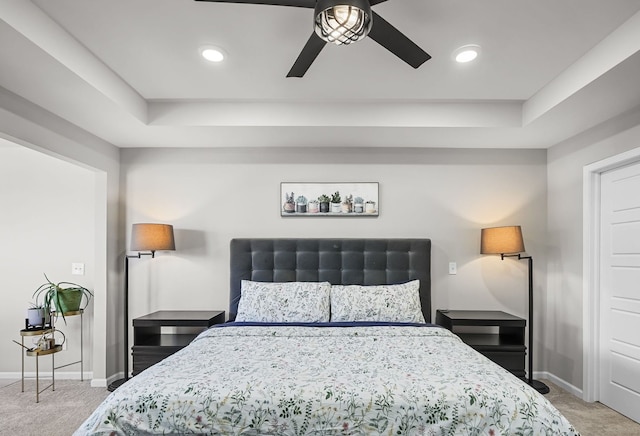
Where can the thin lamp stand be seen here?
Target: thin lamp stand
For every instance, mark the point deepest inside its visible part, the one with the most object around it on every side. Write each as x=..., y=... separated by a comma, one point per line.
x=117, y=383
x=536, y=384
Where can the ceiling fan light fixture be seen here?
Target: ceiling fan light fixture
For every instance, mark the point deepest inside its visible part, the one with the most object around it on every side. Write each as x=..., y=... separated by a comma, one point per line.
x=342, y=21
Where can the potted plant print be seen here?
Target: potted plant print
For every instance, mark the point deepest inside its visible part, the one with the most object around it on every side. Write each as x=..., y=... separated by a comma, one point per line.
x=347, y=204
x=313, y=206
x=358, y=205
x=301, y=204
x=335, y=202
x=289, y=205
x=370, y=207
x=324, y=203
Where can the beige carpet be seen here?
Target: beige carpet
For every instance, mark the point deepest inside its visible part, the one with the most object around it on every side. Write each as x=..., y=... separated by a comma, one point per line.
x=61, y=412
x=58, y=413
x=591, y=419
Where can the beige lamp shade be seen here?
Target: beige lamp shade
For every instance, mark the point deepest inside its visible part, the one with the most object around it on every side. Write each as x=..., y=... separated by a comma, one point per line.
x=501, y=240
x=152, y=237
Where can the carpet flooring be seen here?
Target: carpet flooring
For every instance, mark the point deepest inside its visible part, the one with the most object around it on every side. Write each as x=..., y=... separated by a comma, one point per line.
x=61, y=412
x=591, y=419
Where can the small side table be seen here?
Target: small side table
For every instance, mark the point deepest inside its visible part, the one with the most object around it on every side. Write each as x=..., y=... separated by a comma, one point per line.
x=37, y=353
x=506, y=347
x=81, y=361
x=150, y=345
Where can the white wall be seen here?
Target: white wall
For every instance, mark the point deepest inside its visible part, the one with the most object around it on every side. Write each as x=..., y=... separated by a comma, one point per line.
x=46, y=223
x=564, y=309
x=213, y=195
x=26, y=124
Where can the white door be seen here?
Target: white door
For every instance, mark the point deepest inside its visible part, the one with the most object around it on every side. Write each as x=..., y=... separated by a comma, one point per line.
x=620, y=290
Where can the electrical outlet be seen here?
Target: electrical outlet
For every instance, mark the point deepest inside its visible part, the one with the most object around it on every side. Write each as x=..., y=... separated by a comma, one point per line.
x=77, y=269
x=453, y=268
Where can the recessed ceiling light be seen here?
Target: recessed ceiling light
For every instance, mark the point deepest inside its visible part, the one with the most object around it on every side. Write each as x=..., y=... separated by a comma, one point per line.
x=466, y=53
x=212, y=54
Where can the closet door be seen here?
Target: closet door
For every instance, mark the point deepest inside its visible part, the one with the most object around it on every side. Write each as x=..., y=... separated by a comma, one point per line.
x=620, y=290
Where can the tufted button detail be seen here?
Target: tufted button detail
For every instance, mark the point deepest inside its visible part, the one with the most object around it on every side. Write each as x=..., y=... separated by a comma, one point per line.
x=338, y=261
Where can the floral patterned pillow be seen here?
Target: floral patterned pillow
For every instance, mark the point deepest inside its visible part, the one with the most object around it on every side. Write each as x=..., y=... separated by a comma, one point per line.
x=390, y=303
x=284, y=302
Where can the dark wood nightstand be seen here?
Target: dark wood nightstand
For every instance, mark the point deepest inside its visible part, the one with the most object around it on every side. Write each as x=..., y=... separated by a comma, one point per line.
x=151, y=345
x=505, y=347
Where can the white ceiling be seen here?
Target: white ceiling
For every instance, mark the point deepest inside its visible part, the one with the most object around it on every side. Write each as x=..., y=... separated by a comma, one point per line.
x=129, y=72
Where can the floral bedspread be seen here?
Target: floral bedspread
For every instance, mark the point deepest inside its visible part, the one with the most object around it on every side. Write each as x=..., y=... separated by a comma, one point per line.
x=292, y=380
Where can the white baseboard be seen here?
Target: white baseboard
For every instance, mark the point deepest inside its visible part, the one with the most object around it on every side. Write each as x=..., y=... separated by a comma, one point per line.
x=99, y=383
x=66, y=375
x=44, y=375
x=104, y=382
x=559, y=382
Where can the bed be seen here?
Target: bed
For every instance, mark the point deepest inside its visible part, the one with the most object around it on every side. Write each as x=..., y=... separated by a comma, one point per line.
x=327, y=337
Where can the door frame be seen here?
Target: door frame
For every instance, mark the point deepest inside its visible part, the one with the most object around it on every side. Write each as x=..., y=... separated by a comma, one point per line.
x=592, y=175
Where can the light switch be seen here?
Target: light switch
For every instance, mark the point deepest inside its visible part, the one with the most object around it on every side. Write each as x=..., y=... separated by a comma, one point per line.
x=77, y=269
x=453, y=268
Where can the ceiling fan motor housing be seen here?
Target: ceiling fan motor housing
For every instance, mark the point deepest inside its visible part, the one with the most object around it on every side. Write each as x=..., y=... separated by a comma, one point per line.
x=342, y=21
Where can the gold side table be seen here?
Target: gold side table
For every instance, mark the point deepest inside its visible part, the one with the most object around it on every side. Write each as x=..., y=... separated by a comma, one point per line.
x=37, y=353
x=81, y=361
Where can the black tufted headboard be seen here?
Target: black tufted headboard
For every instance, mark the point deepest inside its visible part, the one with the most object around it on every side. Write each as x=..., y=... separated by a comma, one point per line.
x=338, y=261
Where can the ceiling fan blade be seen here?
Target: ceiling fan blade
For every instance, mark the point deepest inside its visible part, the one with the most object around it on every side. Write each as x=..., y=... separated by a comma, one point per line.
x=296, y=3
x=306, y=57
x=393, y=40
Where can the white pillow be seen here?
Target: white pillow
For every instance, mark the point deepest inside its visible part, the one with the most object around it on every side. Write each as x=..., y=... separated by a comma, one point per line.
x=390, y=303
x=284, y=302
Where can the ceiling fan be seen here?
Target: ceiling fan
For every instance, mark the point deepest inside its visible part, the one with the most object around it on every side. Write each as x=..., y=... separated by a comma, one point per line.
x=344, y=22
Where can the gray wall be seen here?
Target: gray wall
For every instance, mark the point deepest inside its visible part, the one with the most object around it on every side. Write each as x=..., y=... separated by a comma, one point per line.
x=46, y=223
x=23, y=123
x=213, y=195
x=564, y=309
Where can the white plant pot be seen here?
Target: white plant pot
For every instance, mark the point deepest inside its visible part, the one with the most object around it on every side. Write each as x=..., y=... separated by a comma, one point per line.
x=35, y=316
x=370, y=207
x=336, y=208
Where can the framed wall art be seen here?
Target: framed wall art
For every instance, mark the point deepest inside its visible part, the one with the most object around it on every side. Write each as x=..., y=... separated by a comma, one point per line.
x=320, y=199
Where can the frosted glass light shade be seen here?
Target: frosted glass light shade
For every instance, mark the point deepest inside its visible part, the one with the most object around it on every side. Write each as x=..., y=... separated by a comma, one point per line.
x=501, y=240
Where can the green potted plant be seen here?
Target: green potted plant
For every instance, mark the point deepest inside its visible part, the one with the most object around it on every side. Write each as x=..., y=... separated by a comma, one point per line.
x=65, y=296
x=335, y=202
x=324, y=203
